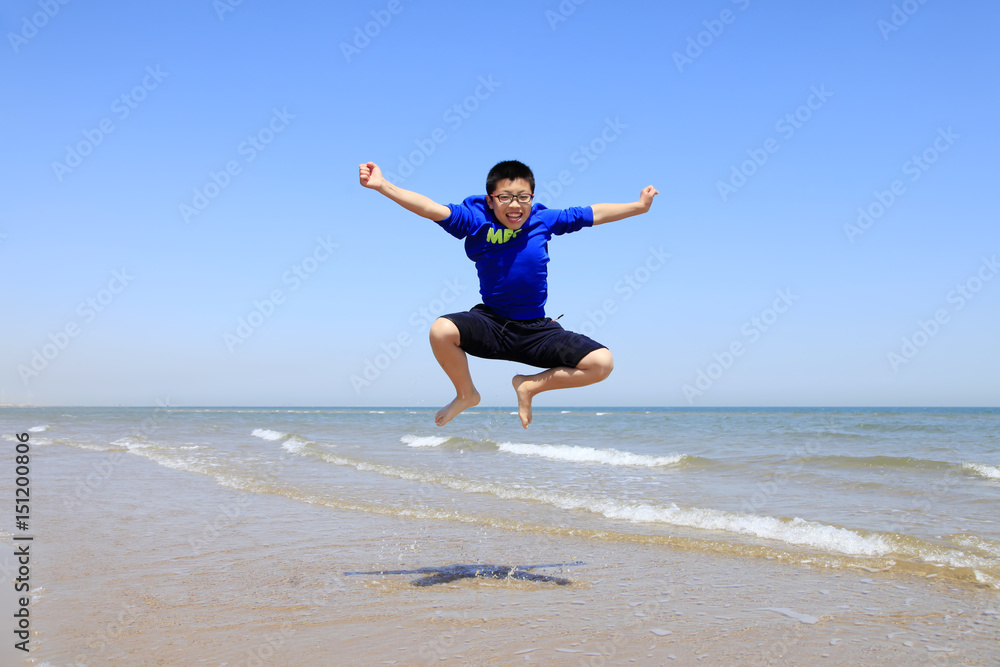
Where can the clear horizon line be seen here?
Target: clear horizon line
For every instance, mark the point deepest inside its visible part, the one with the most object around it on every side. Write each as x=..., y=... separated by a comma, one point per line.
x=510, y=407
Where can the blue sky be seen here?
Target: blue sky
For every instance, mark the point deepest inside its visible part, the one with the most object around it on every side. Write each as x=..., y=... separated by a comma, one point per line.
x=182, y=222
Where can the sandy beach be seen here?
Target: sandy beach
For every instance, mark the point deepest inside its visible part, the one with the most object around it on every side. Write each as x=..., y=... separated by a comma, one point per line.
x=137, y=564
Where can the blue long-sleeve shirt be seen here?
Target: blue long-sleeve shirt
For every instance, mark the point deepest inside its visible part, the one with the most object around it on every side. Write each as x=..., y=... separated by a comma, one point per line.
x=512, y=264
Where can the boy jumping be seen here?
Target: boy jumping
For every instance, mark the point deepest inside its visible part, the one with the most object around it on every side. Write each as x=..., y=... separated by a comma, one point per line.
x=508, y=238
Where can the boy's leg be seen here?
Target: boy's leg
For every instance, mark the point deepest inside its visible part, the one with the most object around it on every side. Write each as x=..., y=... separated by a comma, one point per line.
x=594, y=367
x=445, y=341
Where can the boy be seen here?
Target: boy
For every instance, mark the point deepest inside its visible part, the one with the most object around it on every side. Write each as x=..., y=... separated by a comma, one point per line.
x=508, y=238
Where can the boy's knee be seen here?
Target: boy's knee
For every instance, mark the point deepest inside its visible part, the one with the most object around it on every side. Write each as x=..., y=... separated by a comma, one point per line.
x=607, y=361
x=600, y=361
x=443, y=331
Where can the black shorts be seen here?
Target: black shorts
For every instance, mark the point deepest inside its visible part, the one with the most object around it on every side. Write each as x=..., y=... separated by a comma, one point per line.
x=542, y=342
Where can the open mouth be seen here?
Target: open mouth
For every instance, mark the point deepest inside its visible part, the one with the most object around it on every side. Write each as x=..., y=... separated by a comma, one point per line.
x=515, y=216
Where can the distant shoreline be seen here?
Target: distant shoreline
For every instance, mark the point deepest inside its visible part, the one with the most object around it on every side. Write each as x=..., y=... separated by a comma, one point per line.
x=498, y=408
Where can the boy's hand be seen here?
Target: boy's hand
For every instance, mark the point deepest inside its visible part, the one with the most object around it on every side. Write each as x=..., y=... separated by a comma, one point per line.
x=646, y=196
x=371, y=176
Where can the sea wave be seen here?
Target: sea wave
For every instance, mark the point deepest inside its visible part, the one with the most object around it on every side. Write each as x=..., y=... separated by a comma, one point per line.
x=267, y=434
x=13, y=437
x=132, y=442
x=294, y=444
x=424, y=441
x=982, y=545
x=983, y=469
x=794, y=538
x=827, y=539
x=188, y=457
x=589, y=455
x=873, y=462
x=792, y=531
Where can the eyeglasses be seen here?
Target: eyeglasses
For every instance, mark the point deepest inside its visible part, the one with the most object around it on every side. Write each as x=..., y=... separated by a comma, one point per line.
x=523, y=198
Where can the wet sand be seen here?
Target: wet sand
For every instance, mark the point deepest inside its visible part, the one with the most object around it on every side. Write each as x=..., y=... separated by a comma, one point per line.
x=137, y=564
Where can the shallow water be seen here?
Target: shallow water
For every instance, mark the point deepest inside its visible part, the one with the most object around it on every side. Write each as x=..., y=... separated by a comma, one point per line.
x=905, y=489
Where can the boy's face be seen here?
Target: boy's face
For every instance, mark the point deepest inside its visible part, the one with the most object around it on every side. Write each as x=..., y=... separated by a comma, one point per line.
x=514, y=214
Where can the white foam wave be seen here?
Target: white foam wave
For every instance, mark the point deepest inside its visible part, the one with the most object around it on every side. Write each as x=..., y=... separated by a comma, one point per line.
x=178, y=458
x=267, y=434
x=35, y=442
x=988, y=546
x=96, y=447
x=131, y=442
x=797, y=531
x=294, y=444
x=423, y=441
x=13, y=437
x=169, y=459
x=39, y=429
x=589, y=455
x=988, y=471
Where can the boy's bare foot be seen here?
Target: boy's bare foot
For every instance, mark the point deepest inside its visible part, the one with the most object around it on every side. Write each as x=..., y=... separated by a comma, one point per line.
x=523, y=399
x=448, y=412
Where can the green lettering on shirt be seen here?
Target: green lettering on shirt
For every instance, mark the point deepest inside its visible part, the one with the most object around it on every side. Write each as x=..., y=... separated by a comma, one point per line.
x=494, y=235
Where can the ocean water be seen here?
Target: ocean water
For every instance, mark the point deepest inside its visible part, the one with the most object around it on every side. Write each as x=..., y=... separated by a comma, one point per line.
x=900, y=490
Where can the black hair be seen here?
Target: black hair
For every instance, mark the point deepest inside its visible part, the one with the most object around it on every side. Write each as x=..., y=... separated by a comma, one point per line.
x=509, y=170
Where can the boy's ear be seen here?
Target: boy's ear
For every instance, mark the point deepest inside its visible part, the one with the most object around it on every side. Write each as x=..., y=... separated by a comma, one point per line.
x=489, y=201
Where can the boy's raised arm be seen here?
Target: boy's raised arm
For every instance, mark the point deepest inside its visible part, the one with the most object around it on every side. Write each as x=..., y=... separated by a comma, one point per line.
x=371, y=177
x=611, y=212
